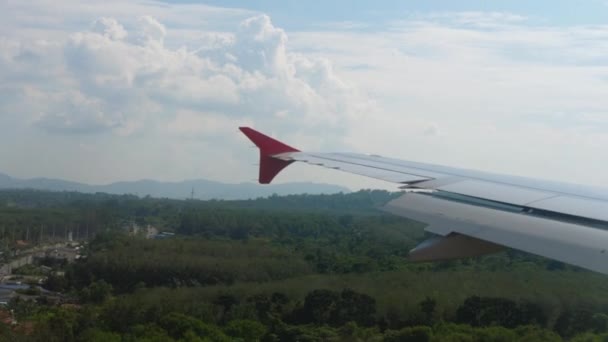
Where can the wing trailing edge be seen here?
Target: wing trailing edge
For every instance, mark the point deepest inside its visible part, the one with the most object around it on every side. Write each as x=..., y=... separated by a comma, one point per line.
x=269, y=147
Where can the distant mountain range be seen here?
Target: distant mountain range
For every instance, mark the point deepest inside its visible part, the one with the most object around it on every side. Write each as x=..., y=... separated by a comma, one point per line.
x=203, y=189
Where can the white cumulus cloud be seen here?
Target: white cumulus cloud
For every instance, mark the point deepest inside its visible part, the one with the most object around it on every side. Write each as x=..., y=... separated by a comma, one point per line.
x=116, y=77
x=119, y=74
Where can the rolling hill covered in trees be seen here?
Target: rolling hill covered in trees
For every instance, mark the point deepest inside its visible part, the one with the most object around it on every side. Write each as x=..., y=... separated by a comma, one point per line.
x=292, y=268
x=203, y=189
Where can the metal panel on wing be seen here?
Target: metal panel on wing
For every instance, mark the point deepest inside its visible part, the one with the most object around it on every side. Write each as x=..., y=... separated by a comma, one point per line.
x=496, y=192
x=344, y=165
x=576, y=206
x=440, y=171
x=379, y=163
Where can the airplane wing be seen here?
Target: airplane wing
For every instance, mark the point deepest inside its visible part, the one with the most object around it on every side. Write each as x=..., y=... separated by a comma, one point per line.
x=472, y=212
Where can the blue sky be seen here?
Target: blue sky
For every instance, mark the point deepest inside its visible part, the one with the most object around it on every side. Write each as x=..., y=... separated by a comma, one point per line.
x=296, y=15
x=123, y=90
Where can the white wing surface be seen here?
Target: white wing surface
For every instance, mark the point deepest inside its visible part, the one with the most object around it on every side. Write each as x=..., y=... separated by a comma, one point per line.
x=473, y=212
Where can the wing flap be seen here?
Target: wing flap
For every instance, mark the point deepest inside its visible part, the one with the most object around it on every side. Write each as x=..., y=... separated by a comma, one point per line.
x=452, y=246
x=581, y=207
x=571, y=243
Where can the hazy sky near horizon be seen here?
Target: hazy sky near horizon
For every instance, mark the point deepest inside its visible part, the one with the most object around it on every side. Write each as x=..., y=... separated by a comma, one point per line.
x=122, y=90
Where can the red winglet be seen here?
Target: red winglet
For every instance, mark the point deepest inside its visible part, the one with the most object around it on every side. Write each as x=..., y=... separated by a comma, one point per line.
x=269, y=166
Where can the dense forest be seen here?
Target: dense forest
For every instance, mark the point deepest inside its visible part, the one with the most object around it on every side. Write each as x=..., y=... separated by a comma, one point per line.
x=293, y=268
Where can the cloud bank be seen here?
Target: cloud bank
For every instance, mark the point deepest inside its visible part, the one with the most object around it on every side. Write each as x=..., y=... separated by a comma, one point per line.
x=112, y=79
x=103, y=92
